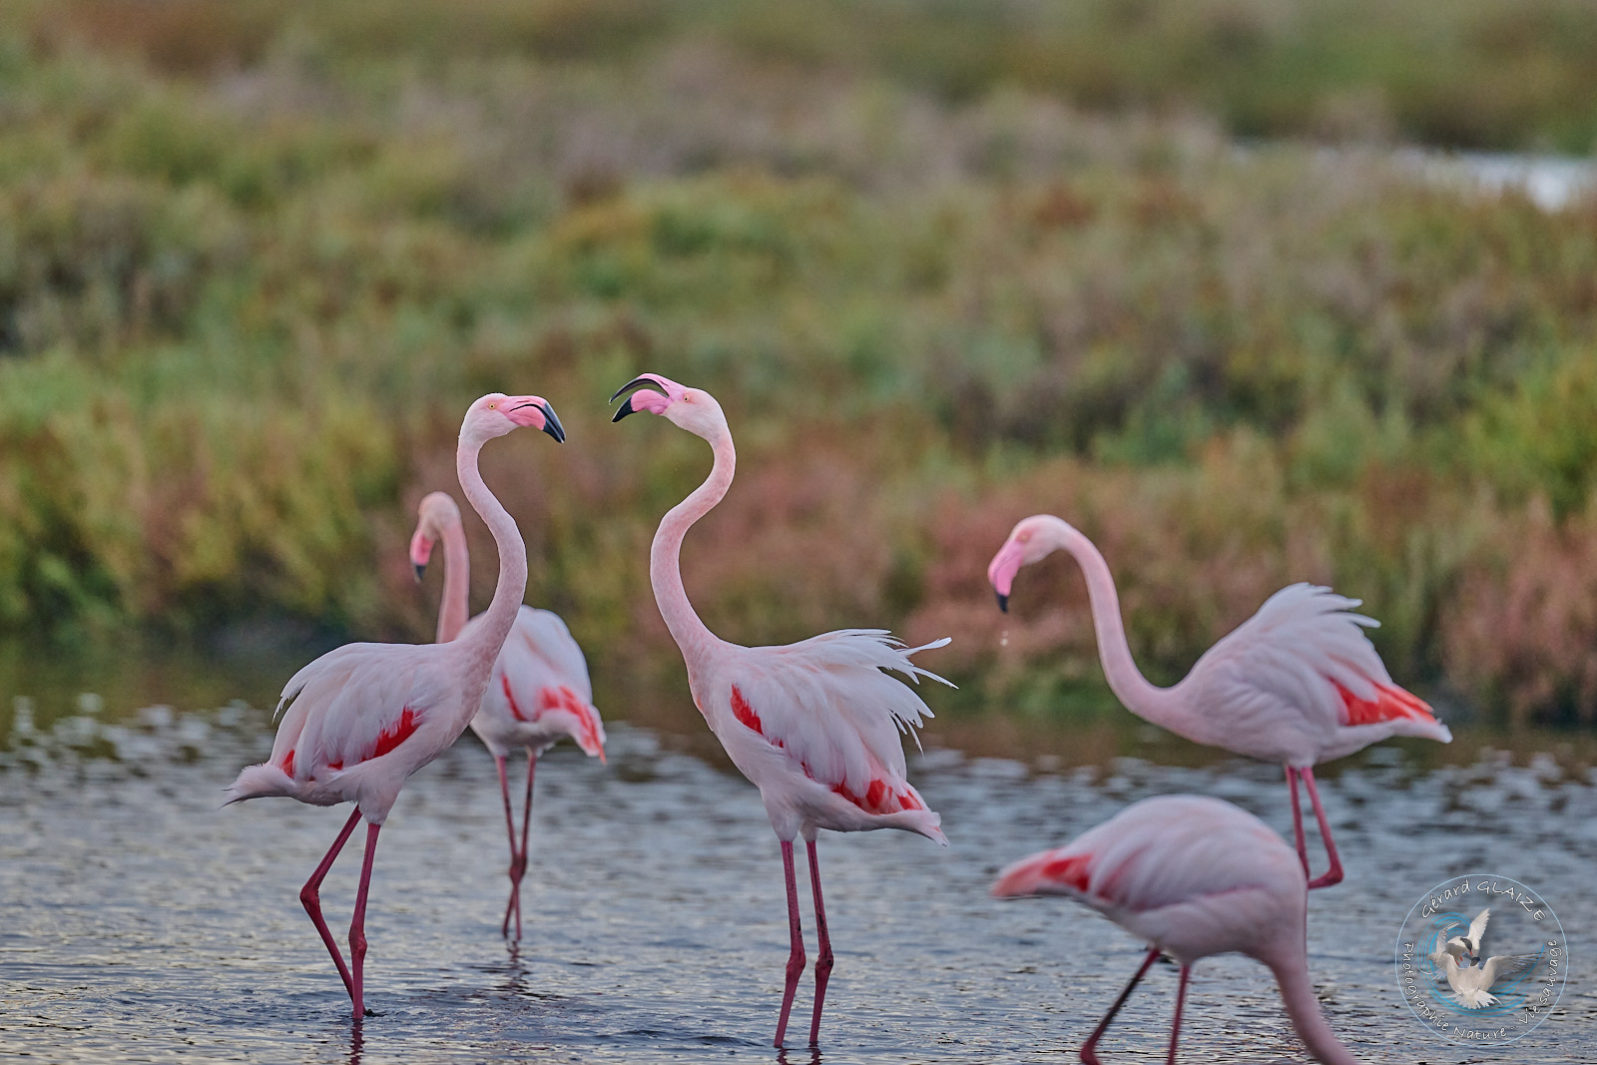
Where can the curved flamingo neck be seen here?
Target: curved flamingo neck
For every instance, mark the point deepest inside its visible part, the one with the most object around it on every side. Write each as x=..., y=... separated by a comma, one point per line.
x=1141, y=697
x=481, y=646
x=665, y=554
x=453, y=608
x=1303, y=1008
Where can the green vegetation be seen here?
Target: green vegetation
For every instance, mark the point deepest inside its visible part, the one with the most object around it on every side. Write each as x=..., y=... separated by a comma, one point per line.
x=256, y=257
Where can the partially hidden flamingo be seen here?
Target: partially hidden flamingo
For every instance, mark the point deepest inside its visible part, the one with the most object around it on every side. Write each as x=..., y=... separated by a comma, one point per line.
x=359, y=720
x=814, y=725
x=539, y=691
x=1191, y=876
x=1296, y=684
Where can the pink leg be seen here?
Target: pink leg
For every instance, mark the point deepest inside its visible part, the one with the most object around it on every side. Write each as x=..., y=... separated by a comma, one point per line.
x=310, y=898
x=1332, y=875
x=1297, y=818
x=1087, y=1054
x=357, y=923
x=1175, y=1026
x=795, y=957
x=823, y=961
x=520, y=871
x=510, y=833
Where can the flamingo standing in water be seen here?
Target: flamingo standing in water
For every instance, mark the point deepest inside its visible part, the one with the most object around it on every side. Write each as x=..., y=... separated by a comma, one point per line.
x=1296, y=684
x=814, y=725
x=1192, y=877
x=539, y=690
x=358, y=721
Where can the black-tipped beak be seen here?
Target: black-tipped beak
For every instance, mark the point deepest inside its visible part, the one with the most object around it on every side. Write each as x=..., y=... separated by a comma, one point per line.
x=421, y=568
x=636, y=383
x=551, y=424
x=1003, y=602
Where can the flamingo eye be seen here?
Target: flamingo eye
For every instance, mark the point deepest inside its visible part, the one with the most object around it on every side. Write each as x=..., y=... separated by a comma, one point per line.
x=492, y=406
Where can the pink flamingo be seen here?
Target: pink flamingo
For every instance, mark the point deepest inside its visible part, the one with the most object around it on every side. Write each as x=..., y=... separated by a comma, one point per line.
x=539, y=689
x=358, y=721
x=1192, y=877
x=814, y=725
x=1296, y=684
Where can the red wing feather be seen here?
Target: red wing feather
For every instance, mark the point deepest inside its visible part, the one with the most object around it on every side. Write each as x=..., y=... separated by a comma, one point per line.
x=397, y=733
x=1391, y=703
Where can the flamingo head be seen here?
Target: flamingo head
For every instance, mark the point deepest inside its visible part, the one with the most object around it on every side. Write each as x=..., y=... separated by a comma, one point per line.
x=692, y=409
x=436, y=512
x=497, y=414
x=1031, y=540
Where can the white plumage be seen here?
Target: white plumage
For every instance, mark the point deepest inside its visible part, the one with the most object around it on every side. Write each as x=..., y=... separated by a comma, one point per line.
x=1471, y=983
x=1277, y=687
x=539, y=692
x=1298, y=683
x=1192, y=877
x=816, y=725
x=357, y=721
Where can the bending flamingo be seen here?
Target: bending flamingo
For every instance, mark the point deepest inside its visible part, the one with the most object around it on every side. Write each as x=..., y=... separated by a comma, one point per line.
x=1192, y=877
x=814, y=725
x=1296, y=684
x=361, y=719
x=539, y=689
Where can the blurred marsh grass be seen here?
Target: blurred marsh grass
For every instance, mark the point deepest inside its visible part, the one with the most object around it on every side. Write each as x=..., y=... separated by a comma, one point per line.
x=255, y=258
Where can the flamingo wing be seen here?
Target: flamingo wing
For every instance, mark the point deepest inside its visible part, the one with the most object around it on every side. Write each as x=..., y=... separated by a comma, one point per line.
x=355, y=703
x=832, y=706
x=1305, y=653
x=540, y=640
x=1155, y=853
x=541, y=676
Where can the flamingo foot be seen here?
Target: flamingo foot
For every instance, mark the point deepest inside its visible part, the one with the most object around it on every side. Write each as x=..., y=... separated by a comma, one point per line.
x=1329, y=878
x=1088, y=1054
x=517, y=871
x=1333, y=875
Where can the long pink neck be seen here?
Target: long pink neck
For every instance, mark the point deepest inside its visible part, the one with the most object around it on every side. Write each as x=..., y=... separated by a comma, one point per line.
x=1142, y=698
x=453, y=608
x=1304, y=1009
x=481, y=646
x=665, y=555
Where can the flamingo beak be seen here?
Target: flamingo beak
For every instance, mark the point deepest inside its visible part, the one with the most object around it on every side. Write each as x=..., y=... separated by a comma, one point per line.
x=642, y=381
x=552, y=424
x=421, y=549
x=1001, y=571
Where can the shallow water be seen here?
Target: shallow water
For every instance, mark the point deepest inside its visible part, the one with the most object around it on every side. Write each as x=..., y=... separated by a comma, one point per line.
x=139, y=921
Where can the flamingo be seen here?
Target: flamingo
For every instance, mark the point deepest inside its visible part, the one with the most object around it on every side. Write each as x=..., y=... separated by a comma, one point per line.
x=814, y=725
x=539, y=690
x=1296, y=684
x=1191, y=876
x=359, y=720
